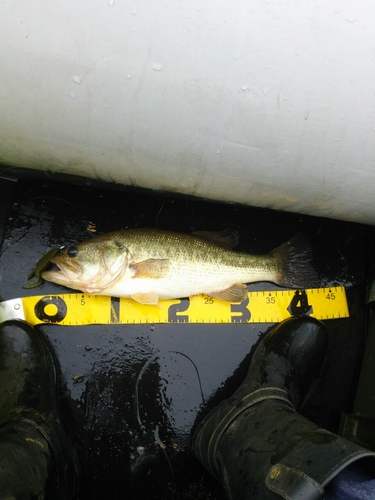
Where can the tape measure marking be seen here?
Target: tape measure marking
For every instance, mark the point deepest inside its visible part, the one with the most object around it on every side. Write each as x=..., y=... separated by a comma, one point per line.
x=258, y=307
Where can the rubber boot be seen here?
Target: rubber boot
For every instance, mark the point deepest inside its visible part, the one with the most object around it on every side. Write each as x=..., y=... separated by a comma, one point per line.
x=256, y=443
x=37, y=459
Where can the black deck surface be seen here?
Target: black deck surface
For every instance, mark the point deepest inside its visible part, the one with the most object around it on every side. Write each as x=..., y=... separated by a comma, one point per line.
x=130, y=395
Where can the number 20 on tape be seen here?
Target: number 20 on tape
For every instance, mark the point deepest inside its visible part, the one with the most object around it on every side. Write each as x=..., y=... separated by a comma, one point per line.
x=258, y=307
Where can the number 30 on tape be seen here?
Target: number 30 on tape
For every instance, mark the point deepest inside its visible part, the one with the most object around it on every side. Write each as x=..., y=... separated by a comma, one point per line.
x=258, y=307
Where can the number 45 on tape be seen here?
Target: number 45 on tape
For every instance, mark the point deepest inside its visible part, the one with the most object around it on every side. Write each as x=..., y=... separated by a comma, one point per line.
x=258, y=307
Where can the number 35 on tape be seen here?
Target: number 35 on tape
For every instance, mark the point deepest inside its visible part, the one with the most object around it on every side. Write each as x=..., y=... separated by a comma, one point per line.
x=258, y=307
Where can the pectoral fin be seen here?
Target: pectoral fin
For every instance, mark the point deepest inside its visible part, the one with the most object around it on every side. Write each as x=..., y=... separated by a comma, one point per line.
x=235, y=293
x=151, y=268
x=151, y=298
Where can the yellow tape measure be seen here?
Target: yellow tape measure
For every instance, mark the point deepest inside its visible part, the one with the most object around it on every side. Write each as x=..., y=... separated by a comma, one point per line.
x=258, y=307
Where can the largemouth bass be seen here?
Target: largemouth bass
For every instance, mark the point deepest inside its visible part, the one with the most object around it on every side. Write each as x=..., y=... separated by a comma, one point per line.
x=150, y=264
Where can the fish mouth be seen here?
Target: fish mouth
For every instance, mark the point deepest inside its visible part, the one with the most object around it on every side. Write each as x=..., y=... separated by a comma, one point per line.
x=62, y=272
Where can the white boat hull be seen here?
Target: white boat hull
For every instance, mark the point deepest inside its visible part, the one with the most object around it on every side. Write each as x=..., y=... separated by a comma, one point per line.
x=268, y=103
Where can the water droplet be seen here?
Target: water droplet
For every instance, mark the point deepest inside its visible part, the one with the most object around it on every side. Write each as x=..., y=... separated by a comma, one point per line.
x=266, y=90
x=134, y=11
x=290, y=109
x=72, y=95
x=128, y=77
x=244, y=87
x=157, y=66
x=285, y=98
x=351, y=19
x=77, y=78
x=218, y=151
x=111, y=2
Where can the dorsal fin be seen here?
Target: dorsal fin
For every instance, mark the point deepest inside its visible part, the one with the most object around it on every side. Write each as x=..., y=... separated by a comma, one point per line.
x=226, y=238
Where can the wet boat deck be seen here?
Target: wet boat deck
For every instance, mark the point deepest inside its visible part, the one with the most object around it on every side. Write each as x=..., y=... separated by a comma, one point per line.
x=130, y=394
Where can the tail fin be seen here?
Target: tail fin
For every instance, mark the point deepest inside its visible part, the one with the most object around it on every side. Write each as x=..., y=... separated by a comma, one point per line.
x=295, y=258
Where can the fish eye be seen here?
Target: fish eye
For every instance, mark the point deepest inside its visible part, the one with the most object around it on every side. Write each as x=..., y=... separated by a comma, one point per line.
x=72, y=252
